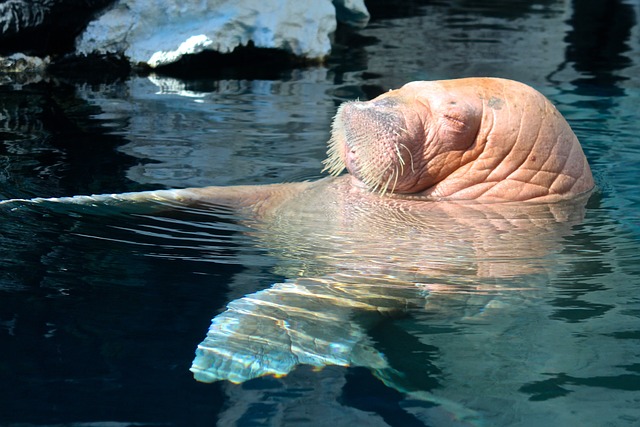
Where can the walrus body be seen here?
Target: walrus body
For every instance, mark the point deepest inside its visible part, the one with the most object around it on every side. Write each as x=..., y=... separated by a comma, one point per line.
x=473, y=139
x=453, y=188
x=450, y=183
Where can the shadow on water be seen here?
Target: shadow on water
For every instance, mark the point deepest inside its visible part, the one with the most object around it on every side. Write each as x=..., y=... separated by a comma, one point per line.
x=597, y=42
x=449, y=319
x=94, y=314
x=52, y=145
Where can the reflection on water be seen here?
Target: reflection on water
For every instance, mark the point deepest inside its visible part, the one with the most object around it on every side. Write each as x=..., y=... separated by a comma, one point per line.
x=201, y=136
x=380, y=316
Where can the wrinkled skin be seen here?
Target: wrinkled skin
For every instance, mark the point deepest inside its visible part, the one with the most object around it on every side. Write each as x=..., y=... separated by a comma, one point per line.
x=450, y=184
x=470, y=139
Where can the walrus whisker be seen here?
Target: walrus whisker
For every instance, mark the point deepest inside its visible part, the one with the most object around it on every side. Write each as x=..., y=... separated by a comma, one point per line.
x=400, y=159
x=372, y=181
x=410, y=157
x=386, y=185
x=384, y=189
x=395, y=182
x=334, y=163
x=395, y=174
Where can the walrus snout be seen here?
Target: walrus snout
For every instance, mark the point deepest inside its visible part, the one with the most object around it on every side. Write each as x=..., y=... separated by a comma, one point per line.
x=372, y=142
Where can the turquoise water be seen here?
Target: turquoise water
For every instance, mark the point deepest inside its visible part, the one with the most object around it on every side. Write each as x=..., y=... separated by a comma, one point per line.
x=431, y=320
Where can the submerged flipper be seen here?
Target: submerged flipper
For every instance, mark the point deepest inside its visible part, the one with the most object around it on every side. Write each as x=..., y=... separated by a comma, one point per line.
x=318, y=322
x=315, y=322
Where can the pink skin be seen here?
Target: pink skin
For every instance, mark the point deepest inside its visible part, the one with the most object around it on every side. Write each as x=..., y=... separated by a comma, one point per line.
x=441, y=153
x=478, y=139
x=470, y=139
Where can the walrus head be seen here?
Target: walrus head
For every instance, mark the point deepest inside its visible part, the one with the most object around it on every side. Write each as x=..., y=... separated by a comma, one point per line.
x=403, y=141
x=482, y=139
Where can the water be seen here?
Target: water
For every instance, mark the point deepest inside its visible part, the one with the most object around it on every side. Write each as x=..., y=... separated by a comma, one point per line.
x=442, y=320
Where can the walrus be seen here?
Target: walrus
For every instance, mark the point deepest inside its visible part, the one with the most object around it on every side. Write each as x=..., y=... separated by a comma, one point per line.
x=471, y=139
x=452, y=186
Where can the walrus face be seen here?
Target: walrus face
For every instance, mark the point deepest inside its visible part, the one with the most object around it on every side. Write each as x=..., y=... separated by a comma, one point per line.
x=404, y=141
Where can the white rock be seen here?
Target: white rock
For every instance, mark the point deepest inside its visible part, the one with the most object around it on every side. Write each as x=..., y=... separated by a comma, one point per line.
x=159, y=32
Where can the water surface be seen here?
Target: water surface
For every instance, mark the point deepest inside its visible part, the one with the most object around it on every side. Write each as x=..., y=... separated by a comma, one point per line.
x=454, y=317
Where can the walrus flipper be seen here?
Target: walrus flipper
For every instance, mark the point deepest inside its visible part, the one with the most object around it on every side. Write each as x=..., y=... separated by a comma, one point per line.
x=256, y=197
x=301, y=322
x=103, y=199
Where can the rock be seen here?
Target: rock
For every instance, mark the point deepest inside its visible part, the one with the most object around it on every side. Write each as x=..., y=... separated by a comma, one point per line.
x=21, y=63
x=18, y=15
x=352, y=12
x=44, y=27
x=160, y=32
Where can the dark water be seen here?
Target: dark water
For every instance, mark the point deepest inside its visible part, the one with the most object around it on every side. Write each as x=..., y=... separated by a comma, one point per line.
x=102, y=307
